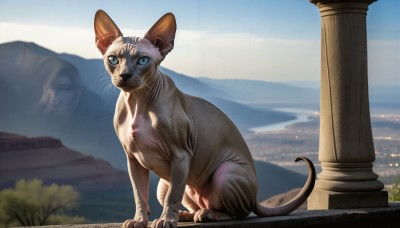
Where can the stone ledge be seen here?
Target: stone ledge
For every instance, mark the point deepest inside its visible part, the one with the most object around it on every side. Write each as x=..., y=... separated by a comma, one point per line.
x=365, y=217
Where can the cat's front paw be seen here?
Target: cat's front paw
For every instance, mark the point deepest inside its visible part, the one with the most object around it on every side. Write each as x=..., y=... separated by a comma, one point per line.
x=201, y=215
x=167, y=223
x=167, y=220
x=132, y=223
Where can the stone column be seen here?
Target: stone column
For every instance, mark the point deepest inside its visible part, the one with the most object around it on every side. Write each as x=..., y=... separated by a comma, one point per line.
x=346, y=149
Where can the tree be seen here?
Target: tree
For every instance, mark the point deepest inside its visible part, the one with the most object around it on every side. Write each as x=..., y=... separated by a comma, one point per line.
x=394, y=191
x=31, y=203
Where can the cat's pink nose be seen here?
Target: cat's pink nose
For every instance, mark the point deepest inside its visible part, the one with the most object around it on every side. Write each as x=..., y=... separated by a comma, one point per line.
x=125, y=76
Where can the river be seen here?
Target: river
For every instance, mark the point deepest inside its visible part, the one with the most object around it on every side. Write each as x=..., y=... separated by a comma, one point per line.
x=302, y=116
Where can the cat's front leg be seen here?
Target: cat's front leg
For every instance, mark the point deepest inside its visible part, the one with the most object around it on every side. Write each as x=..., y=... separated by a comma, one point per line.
x=180, y=164
x=140, y=183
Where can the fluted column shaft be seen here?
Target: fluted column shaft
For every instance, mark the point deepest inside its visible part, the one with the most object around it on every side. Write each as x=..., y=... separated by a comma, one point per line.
x=346, y=149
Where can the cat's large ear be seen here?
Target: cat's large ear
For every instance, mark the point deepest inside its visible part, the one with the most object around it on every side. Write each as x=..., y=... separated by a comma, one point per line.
x=106, y=31
x=162, y=34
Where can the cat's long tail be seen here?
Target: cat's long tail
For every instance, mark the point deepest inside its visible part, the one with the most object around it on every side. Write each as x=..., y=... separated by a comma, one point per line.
x=297, y=201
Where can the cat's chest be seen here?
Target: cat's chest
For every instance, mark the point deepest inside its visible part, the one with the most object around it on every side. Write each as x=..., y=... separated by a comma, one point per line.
x=139, y=137
x=136, y=131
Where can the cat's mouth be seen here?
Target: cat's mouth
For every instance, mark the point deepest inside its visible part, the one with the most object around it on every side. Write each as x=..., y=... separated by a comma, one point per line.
x=120, y=84
x=128, y=85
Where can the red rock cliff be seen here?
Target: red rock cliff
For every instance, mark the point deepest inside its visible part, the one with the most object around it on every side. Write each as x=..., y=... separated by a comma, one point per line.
x=48, y=159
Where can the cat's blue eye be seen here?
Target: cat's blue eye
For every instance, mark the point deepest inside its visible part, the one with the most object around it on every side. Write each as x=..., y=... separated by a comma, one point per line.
x=143, y=60
x=113, y=60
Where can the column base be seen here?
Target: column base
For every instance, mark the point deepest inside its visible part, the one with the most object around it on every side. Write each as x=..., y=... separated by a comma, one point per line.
x=322, y=199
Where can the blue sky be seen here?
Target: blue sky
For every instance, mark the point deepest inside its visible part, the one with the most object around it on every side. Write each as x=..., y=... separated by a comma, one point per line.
x=273, y=40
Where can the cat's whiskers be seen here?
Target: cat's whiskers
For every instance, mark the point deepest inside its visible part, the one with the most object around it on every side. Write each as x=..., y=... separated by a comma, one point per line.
x=106, y=84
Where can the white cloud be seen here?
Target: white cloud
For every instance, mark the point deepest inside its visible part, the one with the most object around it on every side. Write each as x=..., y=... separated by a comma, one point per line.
x=383, y=62
x=222, y=55
x=245, y=56
x=66, y=39
x=196, y=53
x=71, y=40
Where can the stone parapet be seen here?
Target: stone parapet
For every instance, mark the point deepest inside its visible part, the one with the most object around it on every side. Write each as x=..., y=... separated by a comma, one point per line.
x=386, y=217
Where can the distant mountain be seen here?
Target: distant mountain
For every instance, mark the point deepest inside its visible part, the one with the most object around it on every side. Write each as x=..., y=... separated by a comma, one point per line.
x=242, y=115
x=41, y=94
x=380, y=95
x=96, y=79
x=256, y=91
x=312, y=84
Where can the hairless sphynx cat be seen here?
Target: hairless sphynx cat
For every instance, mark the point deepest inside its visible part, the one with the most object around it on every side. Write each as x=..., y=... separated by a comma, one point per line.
x=200, y=156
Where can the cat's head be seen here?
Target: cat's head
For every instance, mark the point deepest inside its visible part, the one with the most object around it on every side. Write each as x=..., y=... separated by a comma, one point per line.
x=132, y=62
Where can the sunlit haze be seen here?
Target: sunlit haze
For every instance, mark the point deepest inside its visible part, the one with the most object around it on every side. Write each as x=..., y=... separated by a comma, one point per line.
x=266, y=40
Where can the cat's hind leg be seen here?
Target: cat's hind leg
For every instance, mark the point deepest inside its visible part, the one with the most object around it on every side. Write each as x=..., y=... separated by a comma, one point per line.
x=191, y=206
x=232, y=196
